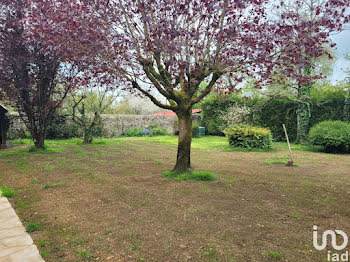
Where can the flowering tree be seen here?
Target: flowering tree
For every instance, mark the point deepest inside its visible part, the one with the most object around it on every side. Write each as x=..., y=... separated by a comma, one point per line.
x=311, y=22
x=236, y=114
x=36, y=80
x=168, y=48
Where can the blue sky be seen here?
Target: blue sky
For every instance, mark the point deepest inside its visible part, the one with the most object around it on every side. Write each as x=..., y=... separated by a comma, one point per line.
x=343, y=46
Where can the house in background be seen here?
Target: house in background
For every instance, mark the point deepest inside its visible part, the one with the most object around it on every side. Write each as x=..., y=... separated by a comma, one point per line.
x=171, y=113
x=4, y=124
x=196, y=117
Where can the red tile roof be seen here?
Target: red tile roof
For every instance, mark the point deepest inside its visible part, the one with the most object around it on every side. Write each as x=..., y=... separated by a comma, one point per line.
x=171, y=113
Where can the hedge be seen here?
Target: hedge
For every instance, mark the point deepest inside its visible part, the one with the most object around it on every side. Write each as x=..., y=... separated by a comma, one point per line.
x=249, y=137
x=276, y=113
x=325, y=105
x=333, y=135
x=195, y=130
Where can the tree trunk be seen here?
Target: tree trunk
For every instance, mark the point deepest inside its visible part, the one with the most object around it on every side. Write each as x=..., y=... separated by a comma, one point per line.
x=183, y=160
x=303, y=120
x=303, y=111
x=39, y=135
x=39, y=141
x=87, y=138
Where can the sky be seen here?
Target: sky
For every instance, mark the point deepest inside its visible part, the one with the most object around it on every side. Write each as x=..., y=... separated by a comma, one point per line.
x=343, y=46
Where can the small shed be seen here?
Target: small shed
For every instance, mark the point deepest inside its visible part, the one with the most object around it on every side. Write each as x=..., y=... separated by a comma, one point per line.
x=4, y=125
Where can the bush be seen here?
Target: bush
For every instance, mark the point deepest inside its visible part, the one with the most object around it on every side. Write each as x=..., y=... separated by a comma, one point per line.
x=195, y=130
x=249, y=137
x=157, y=131
x=213, y=107
x=333, y=135
x=62, y=128
x=133, y=132
x=149, y=131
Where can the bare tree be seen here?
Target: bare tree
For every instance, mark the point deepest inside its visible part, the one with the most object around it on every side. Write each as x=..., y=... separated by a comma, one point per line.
x=87, y=105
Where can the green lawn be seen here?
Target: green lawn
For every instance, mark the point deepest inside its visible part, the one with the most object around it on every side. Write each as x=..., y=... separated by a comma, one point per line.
x=202, y=143
x=205, y=143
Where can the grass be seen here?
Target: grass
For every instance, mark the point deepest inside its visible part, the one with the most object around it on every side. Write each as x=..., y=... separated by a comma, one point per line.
x=53, y=146
x=7, y=192
x=84, y=254
x=79, y=241
x=31, y=150
x=47, y=186
x=42, y=243
x=21, y=142
x=44, y=254
x=275, y=255
x=158, y=162
x=31, y=227
x=275, y=162
x=210, y=253
x=46, y=150
x=22, y=203
x=228, y=148
x=212, y=142
x=296, y=215
x=195, y=175
x=202, y=143
x=298, y=147
x=240, y=216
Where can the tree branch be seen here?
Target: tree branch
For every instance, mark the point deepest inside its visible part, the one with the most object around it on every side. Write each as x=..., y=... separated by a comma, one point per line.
x=216, y=75
x=152, y=98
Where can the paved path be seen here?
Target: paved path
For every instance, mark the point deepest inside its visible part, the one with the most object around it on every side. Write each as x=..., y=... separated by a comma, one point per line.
x=15, y=244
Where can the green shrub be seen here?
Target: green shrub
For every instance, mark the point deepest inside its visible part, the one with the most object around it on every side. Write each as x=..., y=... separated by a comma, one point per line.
x=61, y=127
x=18, y=134
x=249, y=137
x=133, y=132
x=333, y=135
x=149, y=131
x=195, y=130
x=157, y=131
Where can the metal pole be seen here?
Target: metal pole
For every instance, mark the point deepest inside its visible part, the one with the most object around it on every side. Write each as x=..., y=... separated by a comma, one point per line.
x=290, y=163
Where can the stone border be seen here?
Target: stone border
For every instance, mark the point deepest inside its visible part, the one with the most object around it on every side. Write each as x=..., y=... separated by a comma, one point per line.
x=16, y=245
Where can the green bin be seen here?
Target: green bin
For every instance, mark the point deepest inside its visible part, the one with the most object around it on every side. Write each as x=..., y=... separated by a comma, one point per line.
x=201, y=131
